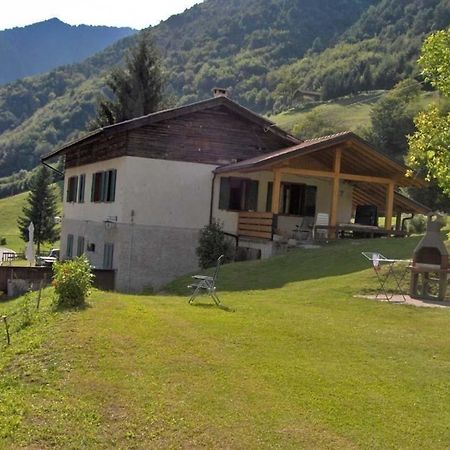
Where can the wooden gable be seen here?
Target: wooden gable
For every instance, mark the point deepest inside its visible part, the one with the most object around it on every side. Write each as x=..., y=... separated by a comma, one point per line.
x=216, y=131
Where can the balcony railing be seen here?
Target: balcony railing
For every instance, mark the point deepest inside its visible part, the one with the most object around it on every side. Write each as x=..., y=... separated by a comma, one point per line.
x=256, y=225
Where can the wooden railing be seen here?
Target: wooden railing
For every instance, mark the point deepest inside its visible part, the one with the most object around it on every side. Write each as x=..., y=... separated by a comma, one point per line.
x=256, y=225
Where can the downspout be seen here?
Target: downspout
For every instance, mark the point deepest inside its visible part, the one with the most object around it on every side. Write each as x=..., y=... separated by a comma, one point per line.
x=212, y=199
x=405, y=219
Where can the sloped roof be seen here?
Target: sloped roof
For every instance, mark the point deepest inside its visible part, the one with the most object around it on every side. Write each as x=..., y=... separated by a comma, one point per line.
x=158, y=116
x=319, y=144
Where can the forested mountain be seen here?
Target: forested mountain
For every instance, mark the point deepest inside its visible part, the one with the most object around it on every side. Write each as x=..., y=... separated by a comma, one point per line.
x=40, y=47
x=264, y=50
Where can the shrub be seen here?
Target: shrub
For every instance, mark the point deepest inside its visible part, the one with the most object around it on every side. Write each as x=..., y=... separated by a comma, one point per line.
x=418, y=224
x=2, y=240
x=212, y=243
x=72, y=281
x=25, y=312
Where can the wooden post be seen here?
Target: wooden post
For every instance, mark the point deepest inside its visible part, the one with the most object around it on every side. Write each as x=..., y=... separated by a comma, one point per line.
x=398, y=222
x=335, y=187
x=389, y=206
x=276, y=191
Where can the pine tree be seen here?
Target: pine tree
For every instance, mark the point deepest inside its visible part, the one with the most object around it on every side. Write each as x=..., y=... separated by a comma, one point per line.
x=136, y=89
x=41, y=209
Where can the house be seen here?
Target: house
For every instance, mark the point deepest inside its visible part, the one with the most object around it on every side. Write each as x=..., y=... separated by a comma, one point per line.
x=138, y=192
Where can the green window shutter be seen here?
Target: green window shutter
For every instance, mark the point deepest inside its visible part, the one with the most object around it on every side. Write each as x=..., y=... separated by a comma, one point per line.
x=224, y=194
x=81, y=188
x=251, y=195
x=269, y=196
x=93, y=188
x=112, y=185
x=104, y=184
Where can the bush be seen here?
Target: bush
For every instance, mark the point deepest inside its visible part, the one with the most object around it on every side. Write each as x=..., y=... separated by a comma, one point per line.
x=72, y=281
x=212, y=243
x=418, y=224
x=2, y=240
x=26, y=311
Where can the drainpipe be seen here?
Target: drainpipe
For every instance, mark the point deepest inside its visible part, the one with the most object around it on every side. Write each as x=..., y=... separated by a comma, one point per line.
x=212, y=199
x=61, y=174
x=405, y=219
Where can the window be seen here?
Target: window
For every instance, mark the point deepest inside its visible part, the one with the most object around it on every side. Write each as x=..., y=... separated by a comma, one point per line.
x=81, y=188
x=103, y=187
x=69, y=249
x=108, y=255
x=296, y=199
x=72, y=184
x=239, y=194
x=80, y=245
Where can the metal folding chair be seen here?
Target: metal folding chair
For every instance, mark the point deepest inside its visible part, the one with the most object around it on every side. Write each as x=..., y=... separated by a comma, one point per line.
x=206, y=285
x=384, y=270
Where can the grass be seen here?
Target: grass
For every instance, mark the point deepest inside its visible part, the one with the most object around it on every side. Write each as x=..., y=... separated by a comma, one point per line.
x=11, y=209
x=350, y=113
x=301, y=363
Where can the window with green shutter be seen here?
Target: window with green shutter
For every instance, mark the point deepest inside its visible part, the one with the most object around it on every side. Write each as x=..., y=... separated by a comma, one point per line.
x=103, y=187
x=238, y=194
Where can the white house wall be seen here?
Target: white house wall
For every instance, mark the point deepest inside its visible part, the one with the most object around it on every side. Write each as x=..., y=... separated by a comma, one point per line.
x=159, y=208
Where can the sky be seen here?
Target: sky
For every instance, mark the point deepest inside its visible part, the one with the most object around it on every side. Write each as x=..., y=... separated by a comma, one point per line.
x=130, y=13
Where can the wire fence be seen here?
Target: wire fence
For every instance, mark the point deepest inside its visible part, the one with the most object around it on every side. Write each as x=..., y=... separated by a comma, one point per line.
x=24, y=313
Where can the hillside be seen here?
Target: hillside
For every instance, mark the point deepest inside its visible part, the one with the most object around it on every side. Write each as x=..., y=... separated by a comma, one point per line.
x=299, y=363
x=265, y=51
x=42, y=46
x=351, y=112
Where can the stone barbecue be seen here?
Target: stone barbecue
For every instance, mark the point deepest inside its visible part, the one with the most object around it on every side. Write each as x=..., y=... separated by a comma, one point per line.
x=430, y=264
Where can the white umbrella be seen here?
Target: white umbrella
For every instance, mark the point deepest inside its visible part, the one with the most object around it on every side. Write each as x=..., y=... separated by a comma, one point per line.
x=29, y=252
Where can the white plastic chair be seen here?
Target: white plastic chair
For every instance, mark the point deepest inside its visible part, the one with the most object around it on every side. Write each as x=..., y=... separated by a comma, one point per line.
x=206, y=284
x=322, y=220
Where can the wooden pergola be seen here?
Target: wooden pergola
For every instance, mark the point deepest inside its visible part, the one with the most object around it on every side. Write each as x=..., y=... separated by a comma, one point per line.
x=337, y=158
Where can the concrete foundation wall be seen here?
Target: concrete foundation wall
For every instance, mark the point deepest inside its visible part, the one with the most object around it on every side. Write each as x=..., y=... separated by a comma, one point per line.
x=145, y=257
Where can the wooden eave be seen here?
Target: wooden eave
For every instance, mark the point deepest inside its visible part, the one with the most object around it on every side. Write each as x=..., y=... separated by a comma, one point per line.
x=159, y=116
x=360, y=161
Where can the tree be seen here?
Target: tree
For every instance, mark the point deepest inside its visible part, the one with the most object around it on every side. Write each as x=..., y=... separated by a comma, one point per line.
x=317, y=123
x=41, y=209
x=136, y=89
x=392, y=119
x=429, y=146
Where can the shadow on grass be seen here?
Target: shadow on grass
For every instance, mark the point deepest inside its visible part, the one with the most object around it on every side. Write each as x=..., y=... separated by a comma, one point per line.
x=212, y=306
x=333, y=259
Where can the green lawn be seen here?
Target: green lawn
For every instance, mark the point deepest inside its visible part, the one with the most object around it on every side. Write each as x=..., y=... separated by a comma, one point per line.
x=300, y=363
x=350, y=113
x=10, y=210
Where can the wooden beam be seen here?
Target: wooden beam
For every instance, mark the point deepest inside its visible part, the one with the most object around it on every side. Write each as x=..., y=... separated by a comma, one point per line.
x=335, y=187
x=389, y=205
x=276, y=191
x=342, y=176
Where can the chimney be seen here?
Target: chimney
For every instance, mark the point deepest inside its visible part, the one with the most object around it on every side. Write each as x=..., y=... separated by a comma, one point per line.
x=219, y=92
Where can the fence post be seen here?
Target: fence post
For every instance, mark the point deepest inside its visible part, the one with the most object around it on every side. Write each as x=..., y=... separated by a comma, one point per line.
x=5, y=320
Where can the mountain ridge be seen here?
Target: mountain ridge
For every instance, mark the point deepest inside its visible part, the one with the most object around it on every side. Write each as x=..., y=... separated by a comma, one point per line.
x=45, y=45
x=230, y=44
